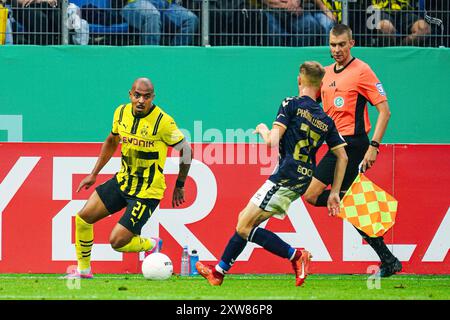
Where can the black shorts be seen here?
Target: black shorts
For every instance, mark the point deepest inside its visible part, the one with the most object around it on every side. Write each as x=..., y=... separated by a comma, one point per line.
x=356, y=149
x=138, y=210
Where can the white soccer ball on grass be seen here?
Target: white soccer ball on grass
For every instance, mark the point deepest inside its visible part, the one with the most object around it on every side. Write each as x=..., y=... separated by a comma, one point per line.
x=157, y=266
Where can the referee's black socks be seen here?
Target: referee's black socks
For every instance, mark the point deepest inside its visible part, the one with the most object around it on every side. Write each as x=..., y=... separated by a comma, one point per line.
x=379, y=246
x=377, y=243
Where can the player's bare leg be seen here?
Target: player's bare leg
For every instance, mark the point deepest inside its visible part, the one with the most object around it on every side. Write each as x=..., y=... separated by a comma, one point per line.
x=120, y=236
x=123, y=240
x=94, y=209
x=315, y=189
x=249, y=218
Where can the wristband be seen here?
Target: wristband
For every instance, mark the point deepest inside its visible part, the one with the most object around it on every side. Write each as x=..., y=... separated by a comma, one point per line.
x=179, y=184
x=375, y=144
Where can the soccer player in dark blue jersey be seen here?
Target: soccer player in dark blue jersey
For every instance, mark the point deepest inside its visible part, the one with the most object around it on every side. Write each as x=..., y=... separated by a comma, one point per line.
x=300, y=128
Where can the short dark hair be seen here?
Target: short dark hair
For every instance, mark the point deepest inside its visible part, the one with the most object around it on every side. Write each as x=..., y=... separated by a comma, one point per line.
x=340, y=29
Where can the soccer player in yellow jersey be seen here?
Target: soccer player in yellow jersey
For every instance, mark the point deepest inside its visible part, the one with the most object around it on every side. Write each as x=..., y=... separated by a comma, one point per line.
x=145, y=132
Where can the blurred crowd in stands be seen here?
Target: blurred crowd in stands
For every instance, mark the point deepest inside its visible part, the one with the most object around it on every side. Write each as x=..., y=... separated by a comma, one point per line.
x=229, y=22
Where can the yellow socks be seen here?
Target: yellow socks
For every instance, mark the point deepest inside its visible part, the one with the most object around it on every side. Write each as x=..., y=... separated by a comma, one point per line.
x=137, y=244
x=84, y=239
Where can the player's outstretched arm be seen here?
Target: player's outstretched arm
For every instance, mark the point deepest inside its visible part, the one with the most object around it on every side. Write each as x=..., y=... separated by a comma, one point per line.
x=384, y=113
x=185, y=164
x=108, y=148
x=271, y=137
x=339, y=173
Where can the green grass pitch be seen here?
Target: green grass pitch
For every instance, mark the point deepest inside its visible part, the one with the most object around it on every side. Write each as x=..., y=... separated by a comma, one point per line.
x=235, y=287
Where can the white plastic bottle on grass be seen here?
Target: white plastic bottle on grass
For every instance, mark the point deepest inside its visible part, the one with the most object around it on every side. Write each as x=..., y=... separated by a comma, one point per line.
x=184, y=262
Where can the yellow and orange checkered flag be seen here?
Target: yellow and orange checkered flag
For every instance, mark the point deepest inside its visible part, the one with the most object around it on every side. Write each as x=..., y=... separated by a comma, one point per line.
x=368, y=207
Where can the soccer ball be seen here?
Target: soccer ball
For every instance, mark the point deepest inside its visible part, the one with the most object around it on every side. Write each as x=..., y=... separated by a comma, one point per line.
x=157, y=266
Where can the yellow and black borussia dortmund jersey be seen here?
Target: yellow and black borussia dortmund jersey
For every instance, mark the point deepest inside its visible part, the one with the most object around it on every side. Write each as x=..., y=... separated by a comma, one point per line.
x=144, y=150
x=335, y=7
x=392, y=4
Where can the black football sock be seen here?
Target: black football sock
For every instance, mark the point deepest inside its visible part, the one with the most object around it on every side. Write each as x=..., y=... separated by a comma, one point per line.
x=233, y=249
x=377, y=243
x=271, y=242
x=379, y=246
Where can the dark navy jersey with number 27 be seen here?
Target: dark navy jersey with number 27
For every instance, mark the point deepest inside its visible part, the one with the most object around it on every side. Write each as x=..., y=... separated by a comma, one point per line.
x=307, y=128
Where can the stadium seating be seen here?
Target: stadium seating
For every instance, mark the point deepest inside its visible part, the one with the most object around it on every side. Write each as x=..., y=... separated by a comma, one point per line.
x=99, y=28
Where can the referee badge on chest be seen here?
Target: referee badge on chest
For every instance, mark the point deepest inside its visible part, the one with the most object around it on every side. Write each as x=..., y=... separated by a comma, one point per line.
x=339, y=102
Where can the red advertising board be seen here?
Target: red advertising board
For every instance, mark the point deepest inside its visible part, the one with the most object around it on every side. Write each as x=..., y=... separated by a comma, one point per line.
x=38, y=203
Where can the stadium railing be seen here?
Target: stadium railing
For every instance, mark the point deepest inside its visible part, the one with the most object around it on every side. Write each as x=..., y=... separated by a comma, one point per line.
x=221, y=23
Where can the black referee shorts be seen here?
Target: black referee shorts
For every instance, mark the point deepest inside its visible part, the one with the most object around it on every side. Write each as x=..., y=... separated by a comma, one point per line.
x=138, y=210
x=356, y=149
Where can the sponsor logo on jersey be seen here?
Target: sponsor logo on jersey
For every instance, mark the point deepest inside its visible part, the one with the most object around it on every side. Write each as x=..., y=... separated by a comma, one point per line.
x=138, y=142
x=144, y=131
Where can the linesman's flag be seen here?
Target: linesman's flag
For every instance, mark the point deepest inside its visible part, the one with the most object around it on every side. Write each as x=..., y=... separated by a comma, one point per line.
x=368, y=207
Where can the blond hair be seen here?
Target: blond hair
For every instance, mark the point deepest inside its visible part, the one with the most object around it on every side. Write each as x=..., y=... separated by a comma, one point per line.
x=311, y=73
